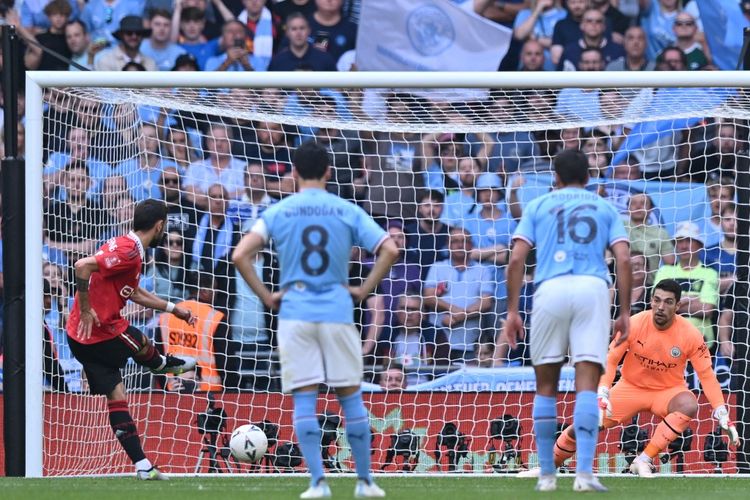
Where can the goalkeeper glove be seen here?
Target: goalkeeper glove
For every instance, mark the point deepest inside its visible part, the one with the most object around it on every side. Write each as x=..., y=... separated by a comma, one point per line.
x=605, y=406
x=721, y=414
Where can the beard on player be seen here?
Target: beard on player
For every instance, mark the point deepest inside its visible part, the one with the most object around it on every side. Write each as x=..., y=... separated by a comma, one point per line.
x=159, y=236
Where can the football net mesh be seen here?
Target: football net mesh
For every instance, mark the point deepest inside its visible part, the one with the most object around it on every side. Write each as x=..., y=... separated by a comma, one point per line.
x=442, y=391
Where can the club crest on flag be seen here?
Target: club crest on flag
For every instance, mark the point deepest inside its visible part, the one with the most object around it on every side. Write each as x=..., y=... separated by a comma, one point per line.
x=430, y=30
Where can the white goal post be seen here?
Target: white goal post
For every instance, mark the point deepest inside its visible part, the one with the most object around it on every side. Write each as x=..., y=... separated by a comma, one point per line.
x=151, y=87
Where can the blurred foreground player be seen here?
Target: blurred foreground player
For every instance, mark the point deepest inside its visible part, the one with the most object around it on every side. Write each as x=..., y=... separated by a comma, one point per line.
x=314, y=232
x=102, y=340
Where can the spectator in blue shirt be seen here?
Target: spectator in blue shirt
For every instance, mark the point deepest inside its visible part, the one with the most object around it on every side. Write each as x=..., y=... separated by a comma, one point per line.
x=460, y=203
x=721, y=257
x=187, y=30
x=657, y=19
x=102, y=17
x=33, y=16
x=300, y=54
x=457, y=292
x=538, y=23
x=159, y=45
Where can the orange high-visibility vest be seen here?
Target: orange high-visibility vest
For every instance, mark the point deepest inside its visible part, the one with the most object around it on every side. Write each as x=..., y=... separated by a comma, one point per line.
x=196, y=341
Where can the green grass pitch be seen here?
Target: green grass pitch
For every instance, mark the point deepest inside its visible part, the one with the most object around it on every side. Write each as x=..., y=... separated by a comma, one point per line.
x=397, y=488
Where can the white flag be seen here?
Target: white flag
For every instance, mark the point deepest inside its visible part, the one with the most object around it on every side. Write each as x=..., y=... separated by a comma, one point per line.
x=427, y=35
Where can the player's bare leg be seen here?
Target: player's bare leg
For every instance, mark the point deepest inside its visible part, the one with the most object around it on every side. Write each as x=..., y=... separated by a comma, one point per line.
x=545, y=422
x=682, y=409
x=126, y=433
x=358, y=434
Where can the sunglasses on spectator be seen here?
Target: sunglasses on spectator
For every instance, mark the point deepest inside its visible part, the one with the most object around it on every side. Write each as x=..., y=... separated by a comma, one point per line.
x=684, y=23
x=595, y=21
x=175, y=243
x=171, y=180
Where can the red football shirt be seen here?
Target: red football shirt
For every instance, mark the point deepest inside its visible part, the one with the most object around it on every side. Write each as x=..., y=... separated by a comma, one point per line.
x=120, y=261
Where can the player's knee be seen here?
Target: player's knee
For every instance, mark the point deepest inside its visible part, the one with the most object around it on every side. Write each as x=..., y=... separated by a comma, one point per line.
x=685, y=403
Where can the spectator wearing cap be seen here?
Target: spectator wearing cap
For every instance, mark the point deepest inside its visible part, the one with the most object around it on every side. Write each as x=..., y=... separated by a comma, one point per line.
x=300, y=52
x=102, y=18
x=331, y=32
x=491, y=227
x=187, y=30
x=159, y=45
x=700, y=284
x=130, y=35
x=238, y=55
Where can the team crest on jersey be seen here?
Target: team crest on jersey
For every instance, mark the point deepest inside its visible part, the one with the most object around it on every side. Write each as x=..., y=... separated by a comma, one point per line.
x=675, y=352
x=111, y=261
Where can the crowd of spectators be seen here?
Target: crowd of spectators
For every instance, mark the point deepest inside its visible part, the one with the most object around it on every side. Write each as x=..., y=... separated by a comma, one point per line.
x=450, y=201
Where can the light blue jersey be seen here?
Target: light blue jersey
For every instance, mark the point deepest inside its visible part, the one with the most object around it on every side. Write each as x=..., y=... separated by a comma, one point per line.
x=314, y=232
x=571, y=229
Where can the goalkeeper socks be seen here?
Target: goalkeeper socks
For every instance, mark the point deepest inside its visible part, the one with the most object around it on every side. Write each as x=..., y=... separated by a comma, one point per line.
x=358, y=432
x=565, y=447
x=144, y=464
x=545, y=425
x=125, y=430
x=586, y=426
x=307, y=428
x=667, y=431
x=150, y=358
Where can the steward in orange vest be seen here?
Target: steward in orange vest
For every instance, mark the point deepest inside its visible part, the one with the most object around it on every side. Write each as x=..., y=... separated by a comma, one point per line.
x=197, y=341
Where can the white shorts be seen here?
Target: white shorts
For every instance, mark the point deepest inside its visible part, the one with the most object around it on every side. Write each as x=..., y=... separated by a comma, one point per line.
x=319, y=353
x=571, y=314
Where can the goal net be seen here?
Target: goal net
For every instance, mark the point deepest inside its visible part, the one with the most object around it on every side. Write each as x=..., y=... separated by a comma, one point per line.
x=447, y=171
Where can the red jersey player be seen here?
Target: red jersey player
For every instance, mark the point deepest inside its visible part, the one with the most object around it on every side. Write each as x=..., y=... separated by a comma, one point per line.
x=102, y=340
x=653, y=379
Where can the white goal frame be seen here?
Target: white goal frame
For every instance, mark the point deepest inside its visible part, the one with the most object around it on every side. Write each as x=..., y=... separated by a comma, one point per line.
x=37, y=81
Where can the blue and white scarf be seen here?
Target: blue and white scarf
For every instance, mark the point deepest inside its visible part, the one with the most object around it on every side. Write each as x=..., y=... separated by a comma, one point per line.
x=263, y=41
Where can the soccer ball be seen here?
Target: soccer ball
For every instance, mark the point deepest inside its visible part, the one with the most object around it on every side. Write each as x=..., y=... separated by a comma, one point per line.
x=248, y=443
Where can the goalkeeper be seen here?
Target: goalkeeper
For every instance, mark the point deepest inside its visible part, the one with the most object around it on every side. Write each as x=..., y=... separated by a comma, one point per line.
x=653, y=379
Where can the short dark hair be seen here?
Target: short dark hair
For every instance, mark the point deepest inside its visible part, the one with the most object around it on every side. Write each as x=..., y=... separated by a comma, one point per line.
x=192, y=14
x=79, y=23
x=311, y=160
x=159, y=13
x=296, y=15
x=147, y=213
x=432, y=194
x=61, y=7
x=572, y=166
x=77, y=165
x=670, y=286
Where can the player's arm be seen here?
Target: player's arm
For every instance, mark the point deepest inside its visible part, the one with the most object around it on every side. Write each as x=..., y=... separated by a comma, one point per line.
x=513, y=330
x=147, y=299
x=243, y=258
x=700, y=358
x=387, y=254
x=621, y=252
x=84, y=268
